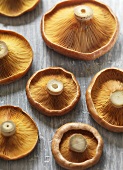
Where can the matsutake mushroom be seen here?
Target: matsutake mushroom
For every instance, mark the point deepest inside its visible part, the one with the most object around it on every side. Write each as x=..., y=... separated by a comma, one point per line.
x=77, y=146
x=18, y=133
x=80, y=29
x=104, y=98
x=53, y=91
x=14, y=8
x=15, y=56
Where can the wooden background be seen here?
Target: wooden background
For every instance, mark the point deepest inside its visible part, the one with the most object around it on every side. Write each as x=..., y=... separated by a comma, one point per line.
x=14, y=94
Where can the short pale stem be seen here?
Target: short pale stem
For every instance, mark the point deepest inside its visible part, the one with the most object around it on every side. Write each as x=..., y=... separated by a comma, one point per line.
x=54, y=87
x=77, y=143
x=7, y=128
x=83, y=13
x=116, y=98
x=3, y=49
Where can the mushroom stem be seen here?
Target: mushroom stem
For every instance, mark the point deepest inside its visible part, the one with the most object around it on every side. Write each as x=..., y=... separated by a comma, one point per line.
x=54, y=87
x=83, y=13
x=77, y=143
x=7, y=128
x=3, y=49
x=116, y=98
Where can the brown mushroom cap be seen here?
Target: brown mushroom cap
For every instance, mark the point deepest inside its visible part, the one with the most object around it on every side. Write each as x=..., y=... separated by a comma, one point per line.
x=19, y=57
x=98, y=101
x=48, y=104
x=86, y=40
x=13, y=8
x=26, y=135
x=72, y=160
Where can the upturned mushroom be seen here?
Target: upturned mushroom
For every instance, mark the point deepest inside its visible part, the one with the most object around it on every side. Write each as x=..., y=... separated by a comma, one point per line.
x=16, y=56
x=14, y=8
x=53, y=91
x=77, y=146
x=18, y=133
x=104, y=98
x=80, y=29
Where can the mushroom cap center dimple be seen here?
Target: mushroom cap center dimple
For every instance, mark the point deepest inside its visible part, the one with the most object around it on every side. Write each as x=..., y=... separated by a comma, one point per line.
x=55, y=86
x=7, y=125
x=83, y=10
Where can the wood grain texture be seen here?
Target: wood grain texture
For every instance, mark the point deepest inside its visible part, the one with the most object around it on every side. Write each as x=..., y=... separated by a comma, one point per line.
x=14, y=94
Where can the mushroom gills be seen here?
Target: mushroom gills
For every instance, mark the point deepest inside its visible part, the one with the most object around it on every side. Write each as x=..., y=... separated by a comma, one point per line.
x=85, y=28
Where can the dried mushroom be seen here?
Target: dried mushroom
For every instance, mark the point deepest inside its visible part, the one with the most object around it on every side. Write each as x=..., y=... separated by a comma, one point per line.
x=15, y=56
x=80, y=29
x=104, y=98
x=53, y=91
x=13, y=8
x=87, y=143
x=18, y=133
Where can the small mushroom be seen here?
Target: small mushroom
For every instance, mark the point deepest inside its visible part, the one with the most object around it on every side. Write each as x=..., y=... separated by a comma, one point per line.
x=77, y=146
x=80, y=29
x=53, y=91
x=104, y=98
x=15, y=56
x=14, y=8
x=18, y=133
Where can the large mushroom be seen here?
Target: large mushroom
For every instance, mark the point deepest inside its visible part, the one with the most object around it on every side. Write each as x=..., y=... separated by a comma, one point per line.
x=77, y=146
x=18, y=133
x=53, y=91
x=104, y=97
x=15, y=56
x=14, y=8
x=80, y=29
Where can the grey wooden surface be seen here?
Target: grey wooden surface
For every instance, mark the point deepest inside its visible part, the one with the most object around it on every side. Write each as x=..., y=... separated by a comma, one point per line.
x=14, y=94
